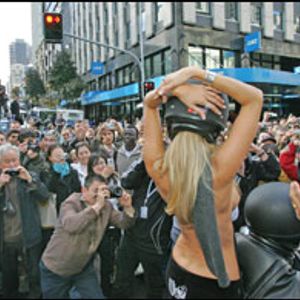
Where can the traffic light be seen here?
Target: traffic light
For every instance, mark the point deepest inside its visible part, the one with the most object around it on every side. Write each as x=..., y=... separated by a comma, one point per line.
x=148, y=86
x=53, y=27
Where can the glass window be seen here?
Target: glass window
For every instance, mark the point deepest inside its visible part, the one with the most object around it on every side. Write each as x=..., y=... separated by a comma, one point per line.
x=266, y=65
x=212, y=58
x=168, y=61
x=157, y=65
x=228, y=59
x=126, y=75
x=297, y=24
x=231, y=12
x=276, y=58
x=148, y=72
x=256, y=13
x=159, y=11
x=277, y=17
x=195, y=56
x=135, y=74
x=119, y=77
x=266, y=57
x=277, y=66
x=203, y=7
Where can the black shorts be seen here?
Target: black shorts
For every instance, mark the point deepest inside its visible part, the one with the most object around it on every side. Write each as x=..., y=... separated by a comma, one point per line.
x=185, y=285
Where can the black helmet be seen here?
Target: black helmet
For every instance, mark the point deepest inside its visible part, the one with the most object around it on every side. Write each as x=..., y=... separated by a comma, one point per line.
x=181, y=118
x=269, y=213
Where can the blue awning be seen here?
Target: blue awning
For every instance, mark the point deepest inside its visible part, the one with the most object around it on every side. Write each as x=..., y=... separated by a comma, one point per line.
x=261, y=75
x=249, y=75
x=122, y=92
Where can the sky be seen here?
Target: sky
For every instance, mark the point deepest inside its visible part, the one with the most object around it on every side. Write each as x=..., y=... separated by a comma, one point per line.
x=15, y=23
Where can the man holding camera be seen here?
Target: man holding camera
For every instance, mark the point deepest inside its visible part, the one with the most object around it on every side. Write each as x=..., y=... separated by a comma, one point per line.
x=290, y=157
x=20, y=226
x=68, y=258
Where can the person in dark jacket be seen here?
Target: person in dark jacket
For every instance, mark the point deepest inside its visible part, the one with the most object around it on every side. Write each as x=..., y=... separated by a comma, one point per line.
x=34, y=162
x=20, y=224
x=148, y=241
x=258, y=166
x=3, y=100
x=15, y=109
x=62, y=180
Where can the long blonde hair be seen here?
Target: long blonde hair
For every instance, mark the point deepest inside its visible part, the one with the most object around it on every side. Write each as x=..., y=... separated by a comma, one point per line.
x=184, y=161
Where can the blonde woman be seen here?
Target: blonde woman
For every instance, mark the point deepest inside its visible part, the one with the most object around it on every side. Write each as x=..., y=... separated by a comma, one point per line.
x=195, y=270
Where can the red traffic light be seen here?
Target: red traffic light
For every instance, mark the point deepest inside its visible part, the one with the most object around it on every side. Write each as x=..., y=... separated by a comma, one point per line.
x=148, y=86
x=52, y=18
x=49, y=19
x=57, y=19
x=53, y=27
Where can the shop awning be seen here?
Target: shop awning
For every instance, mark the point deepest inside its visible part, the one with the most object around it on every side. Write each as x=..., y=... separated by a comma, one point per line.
x=261, y=75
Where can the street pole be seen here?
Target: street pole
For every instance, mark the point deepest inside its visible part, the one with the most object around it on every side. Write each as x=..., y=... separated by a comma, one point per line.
x=117, y=49
x=141, y=49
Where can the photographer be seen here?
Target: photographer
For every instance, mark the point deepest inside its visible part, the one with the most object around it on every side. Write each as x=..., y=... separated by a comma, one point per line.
x=259, y=165
x=68, y=258
x=111, y=239
x=20, y=223
x=289, y=157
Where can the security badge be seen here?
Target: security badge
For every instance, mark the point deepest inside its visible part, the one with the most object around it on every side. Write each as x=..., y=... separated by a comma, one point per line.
x=144, y=208
x=144, y=212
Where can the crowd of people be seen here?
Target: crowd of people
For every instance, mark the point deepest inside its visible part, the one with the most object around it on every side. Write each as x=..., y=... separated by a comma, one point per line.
x=84, y=207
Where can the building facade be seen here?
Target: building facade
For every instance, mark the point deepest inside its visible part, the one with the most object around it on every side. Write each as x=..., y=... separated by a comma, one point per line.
x=176, y=34
x=19, y=52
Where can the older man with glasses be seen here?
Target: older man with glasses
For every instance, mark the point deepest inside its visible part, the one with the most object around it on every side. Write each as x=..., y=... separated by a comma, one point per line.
x=20, y=225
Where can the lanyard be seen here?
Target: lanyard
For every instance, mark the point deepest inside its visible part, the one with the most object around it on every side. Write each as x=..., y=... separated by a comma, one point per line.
x=149, y=192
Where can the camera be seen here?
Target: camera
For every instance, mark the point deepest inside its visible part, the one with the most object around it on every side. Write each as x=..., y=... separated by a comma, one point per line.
x=12, y=172
x=115, y=188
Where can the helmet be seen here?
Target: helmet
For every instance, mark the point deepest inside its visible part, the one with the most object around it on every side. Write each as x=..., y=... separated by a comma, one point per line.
x=269, y=213
x=181, y=118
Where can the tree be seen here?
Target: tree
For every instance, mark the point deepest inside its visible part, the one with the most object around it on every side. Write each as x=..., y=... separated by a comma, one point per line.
x=63, y=77
x=34, y=84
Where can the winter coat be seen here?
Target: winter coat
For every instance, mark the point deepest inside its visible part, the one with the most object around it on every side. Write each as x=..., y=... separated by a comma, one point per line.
x=29, y=196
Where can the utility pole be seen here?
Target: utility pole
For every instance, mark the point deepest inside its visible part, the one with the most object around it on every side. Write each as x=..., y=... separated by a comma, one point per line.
x=117, y=49
x=141, y=49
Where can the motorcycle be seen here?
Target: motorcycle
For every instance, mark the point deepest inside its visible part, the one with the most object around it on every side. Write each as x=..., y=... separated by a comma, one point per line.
x=269, y=255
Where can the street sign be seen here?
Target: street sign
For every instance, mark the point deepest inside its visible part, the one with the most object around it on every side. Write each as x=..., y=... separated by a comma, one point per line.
x=297, y=70
x=252, y=42
x=97, y=68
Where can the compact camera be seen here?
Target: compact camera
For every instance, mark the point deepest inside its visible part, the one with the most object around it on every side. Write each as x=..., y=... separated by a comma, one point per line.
x=12, y=172
x=115, y=187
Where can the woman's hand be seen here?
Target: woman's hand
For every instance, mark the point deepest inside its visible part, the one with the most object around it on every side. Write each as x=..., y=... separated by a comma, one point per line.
x=153, y=99
x=176, y=79
x=108, y=171
x=195, y=95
